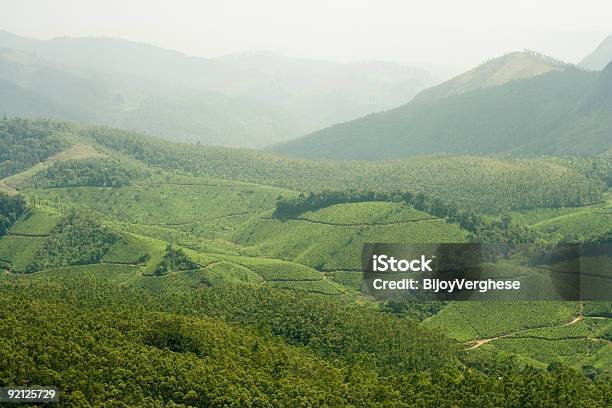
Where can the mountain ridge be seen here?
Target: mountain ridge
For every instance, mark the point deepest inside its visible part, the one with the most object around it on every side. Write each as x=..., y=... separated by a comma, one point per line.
x=239, y=101
x=600, y=57
x=563, y=111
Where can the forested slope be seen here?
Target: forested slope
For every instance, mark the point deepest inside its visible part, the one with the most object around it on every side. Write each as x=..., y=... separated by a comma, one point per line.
x=244, y=348
x=488, y=184
x=169, y=255
x=560, y=112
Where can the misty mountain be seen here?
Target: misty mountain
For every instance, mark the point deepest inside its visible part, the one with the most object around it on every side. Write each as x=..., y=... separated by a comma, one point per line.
x=34, y=87
x=564, y=111
x=240, y=100
x=602, y=56
x=497, y=71
x=17, y=101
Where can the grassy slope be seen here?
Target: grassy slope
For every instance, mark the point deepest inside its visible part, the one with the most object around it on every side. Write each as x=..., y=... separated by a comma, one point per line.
x=326, y=239
x=134, y=258
x=196, y=210
x=498, y=71
x=485, y=184
x=316, y=239
x=578, y=222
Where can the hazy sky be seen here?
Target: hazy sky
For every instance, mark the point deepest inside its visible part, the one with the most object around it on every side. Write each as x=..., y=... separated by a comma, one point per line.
x=429, y=33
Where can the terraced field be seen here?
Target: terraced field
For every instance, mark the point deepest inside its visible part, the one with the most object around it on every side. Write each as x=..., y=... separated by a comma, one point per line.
x=367, y=213
x=587, y=223
x=37, y=223
x=537, y=333
x=19, y=251
x=227, y=228
x=25, y=237
x=583, y=342
x=134, y=258
x=322, y=241
x=575, y=222
x=469, y=321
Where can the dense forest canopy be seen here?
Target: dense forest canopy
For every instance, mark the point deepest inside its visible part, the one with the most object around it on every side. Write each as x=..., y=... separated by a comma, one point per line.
x=24, y=143
x=159, y=274
x=122, y=341
x=11, y=208
x=102, y=172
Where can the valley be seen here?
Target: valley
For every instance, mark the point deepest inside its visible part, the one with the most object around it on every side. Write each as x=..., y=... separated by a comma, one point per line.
x=179, y=231
x=131, y=220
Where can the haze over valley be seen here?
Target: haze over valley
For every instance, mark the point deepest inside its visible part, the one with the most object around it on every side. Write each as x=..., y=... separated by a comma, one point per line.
x=186, y=222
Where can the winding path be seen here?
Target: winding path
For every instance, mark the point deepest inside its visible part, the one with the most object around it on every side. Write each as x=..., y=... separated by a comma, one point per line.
x=474, y=344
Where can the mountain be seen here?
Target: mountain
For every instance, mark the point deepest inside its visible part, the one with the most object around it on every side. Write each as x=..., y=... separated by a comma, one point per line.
x=598, y=59
x=36, y=87
x=17, y=101
x=245, y=100
x=564, y=111
x=498, y=71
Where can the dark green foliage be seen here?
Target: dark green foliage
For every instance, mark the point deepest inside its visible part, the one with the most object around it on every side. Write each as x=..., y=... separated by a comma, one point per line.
x=108, y=346
x=75, y=241
x=415, y=310
x=172, y=334
x=24, y=143
x=11, y=208
x=175, y=260
x=595, y=167
x=89, y=172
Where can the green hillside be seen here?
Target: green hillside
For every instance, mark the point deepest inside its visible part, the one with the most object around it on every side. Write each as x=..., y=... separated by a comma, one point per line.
x=150, y=258
x=331, y=239
x=487, y=184
x=571, y=223
x=211, y=349
x=559, y=113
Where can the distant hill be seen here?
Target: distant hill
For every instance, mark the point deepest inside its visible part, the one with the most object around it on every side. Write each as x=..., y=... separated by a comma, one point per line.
x=498, y=71
x=20, y=102
x=602, y=56
x=246, y=100
x=565, y=111
x=34, y=87
x=486, y=184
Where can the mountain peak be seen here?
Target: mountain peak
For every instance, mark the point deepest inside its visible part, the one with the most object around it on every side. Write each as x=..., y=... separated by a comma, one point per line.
x=602, y=56
x=497, y=71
